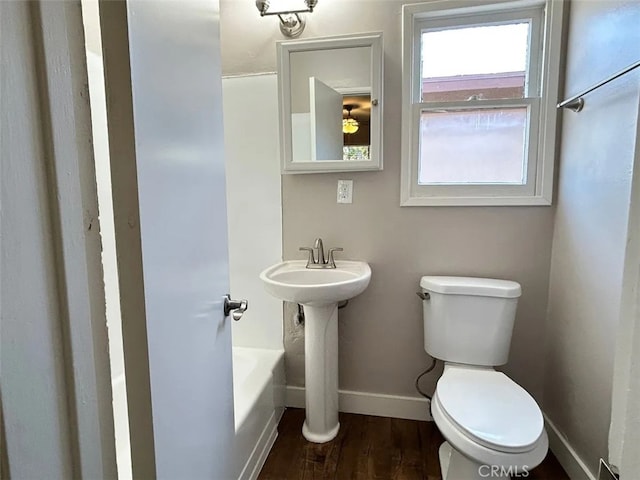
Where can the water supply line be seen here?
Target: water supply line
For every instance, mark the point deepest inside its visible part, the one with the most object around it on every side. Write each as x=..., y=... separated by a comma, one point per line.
x=431, y=367
x=299, y=317
x=424, y=296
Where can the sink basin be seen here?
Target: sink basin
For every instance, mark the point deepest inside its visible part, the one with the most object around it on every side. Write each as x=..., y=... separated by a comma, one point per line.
x=319, y=290
x=292, y=282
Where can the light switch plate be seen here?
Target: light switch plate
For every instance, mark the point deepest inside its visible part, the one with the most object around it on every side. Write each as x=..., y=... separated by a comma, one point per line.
x=345, y=191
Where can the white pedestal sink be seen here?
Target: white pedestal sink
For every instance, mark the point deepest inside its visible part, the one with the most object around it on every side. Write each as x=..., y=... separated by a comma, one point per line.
x=319, y=291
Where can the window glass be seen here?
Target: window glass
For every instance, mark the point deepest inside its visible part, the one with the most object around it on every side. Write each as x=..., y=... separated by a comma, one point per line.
x=479, y=62
x=356, y=152
x=475, y=146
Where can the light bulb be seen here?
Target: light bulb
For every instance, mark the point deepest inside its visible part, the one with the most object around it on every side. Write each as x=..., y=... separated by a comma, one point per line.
x=350, y=125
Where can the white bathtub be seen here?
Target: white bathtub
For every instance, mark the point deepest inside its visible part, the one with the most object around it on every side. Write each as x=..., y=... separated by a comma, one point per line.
x=258, y=391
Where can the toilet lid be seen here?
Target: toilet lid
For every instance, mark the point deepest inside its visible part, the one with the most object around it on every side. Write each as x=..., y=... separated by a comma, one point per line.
x=490, y=408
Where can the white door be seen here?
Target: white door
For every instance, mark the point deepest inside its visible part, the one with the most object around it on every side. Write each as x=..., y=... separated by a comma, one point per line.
x=326, y=121
x=177, y=117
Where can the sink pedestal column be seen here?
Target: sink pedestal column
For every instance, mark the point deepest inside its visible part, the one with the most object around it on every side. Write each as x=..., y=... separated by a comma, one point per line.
x=321, y=373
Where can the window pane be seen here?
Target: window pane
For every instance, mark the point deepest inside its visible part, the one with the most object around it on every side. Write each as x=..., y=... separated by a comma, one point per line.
x=356, y=152
x=485, y=62
x=481, y=146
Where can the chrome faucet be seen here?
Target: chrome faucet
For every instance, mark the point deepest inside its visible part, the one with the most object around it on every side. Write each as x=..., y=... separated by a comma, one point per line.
x=319, y=248
x=318, y=261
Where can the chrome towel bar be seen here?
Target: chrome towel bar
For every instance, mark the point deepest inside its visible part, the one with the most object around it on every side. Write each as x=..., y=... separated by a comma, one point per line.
x=576, y=103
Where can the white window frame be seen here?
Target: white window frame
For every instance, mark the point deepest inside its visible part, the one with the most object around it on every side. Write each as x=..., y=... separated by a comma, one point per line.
x=540, y=99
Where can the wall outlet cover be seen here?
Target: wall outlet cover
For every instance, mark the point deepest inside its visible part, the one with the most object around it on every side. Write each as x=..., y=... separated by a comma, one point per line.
x=345, y=191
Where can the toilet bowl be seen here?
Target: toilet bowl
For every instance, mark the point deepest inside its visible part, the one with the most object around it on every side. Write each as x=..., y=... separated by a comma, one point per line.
x=493, y=427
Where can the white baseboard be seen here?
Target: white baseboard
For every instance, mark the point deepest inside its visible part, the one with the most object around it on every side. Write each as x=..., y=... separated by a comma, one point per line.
x=566, y=455
x=261, y=451
x=379, y=405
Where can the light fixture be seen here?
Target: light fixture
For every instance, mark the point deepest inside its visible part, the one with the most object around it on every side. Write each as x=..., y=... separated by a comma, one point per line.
x=349, y=125
x=291, y=22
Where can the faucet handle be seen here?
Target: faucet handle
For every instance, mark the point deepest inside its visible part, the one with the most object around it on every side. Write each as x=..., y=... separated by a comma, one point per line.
x=311, y=259
x=330, y=260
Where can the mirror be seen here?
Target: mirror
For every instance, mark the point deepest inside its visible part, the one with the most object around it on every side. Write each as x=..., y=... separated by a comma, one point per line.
x=330, y=93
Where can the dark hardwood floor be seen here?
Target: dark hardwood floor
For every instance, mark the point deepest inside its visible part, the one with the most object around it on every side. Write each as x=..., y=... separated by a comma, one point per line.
x=367, y=448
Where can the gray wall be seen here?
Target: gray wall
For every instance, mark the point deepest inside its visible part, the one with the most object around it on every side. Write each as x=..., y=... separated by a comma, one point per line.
x=591, y=224
x=381, y=344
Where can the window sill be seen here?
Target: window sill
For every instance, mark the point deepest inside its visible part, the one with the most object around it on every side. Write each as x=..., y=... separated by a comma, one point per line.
x=497, y=201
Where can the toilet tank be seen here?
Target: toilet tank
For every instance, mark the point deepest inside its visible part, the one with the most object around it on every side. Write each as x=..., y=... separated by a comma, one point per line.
x=469, y=320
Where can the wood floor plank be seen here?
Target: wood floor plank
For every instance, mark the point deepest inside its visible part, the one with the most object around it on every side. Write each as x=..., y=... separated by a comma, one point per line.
x=347, y=467
x=430, y=440
x=367, y=448
x=286, y=460
x=406, y=455
x=550, y=469
x=379, y=448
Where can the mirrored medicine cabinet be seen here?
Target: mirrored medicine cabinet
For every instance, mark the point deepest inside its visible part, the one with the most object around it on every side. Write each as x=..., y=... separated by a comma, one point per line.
x=330, y=97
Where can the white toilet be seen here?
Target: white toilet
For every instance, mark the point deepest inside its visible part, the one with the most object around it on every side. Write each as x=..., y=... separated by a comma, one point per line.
x=494, y=428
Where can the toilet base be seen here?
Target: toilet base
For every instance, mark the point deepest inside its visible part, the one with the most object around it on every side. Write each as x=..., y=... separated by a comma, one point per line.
x=455, y=466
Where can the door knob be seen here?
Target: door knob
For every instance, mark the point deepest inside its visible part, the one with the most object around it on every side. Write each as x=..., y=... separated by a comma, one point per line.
x=235, y=307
